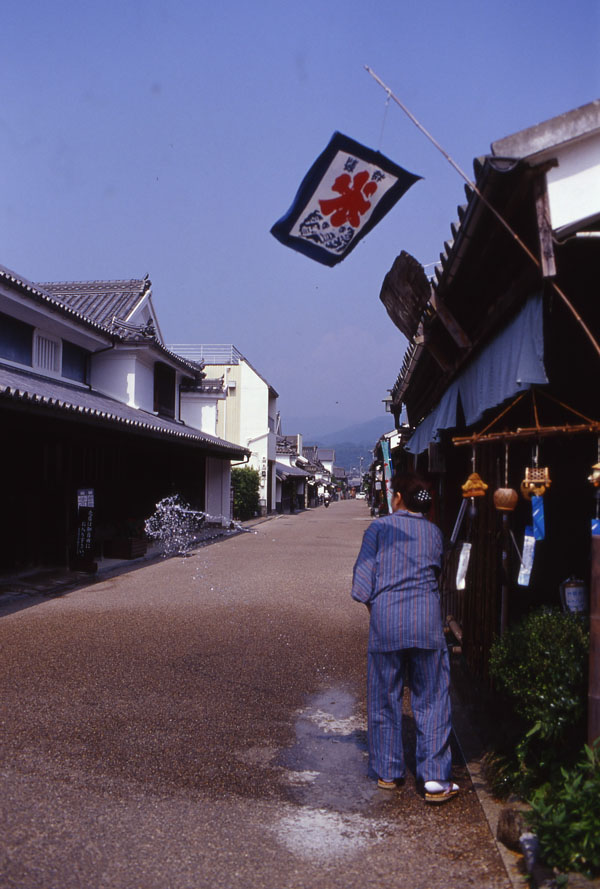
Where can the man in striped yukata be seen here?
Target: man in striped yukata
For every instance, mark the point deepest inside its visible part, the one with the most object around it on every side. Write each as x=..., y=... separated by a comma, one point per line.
x=396, y=577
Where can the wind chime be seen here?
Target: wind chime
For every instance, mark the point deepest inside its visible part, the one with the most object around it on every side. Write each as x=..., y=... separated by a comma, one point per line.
x=594, y=479
x=534, y=486
x=473, y=488
x=505, y=501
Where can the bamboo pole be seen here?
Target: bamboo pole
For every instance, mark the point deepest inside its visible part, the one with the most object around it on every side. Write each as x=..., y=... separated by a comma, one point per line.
x=526, y=432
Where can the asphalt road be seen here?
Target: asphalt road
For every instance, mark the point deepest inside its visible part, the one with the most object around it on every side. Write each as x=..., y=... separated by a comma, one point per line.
x=200, y=722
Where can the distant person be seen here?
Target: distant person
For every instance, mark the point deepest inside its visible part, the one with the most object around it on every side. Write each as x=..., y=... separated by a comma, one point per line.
x=396, y=577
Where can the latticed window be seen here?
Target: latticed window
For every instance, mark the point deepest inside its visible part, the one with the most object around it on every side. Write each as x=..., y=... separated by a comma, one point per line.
x=46, y=353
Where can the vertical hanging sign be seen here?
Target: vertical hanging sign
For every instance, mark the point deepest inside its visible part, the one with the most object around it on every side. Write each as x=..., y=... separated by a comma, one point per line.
x=387, y=472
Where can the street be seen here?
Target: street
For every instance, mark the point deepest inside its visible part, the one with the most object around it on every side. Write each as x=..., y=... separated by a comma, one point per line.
x=200, y=722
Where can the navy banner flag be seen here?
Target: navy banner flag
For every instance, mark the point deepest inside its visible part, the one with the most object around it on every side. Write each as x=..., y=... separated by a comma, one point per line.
x=346, y=192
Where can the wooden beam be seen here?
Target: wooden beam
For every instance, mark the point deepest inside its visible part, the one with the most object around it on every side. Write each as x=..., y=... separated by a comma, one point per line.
x=542, y=209
x=459, y=336
x=527, y=432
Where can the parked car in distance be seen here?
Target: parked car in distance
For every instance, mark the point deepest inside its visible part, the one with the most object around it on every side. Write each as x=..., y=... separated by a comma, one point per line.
x=361, y=495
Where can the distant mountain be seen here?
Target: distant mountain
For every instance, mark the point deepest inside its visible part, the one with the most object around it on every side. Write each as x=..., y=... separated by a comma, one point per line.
x=350, y=443
x=366, y=433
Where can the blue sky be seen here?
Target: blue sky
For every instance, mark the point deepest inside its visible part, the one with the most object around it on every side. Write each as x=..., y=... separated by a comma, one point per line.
x=166, y=137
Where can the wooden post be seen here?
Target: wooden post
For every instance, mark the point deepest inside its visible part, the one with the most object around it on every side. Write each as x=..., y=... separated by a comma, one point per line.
x=542, y=208
x=594, y=677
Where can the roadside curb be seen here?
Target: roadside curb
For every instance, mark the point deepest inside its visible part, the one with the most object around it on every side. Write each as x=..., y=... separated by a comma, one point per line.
x=472, y=752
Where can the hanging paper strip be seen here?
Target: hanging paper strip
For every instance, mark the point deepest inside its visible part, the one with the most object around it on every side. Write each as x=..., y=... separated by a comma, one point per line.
x=346, y=192
x=387, y=472
x=537, y=510
x=463, y=564
x=527, y=557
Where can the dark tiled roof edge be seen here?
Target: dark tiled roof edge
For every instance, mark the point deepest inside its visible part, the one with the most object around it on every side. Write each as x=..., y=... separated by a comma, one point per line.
x=41, y=295
x=161, y=427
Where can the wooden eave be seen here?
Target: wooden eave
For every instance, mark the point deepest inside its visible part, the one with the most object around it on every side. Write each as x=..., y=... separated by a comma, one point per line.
x=484, y=276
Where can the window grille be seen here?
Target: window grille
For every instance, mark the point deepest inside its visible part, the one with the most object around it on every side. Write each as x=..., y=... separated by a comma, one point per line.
x=46, y=353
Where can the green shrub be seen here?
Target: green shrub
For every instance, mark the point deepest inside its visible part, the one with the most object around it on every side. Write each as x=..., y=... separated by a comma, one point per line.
x=566, y=816
x=540, y=668
x=245, y=482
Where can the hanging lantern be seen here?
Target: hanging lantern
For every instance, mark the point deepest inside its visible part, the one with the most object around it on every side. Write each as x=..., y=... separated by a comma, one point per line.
x=474, y=486
x=505, y=499
x=536, y=481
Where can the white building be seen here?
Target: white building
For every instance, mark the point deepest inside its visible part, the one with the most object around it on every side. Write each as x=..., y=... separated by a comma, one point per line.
x=248, y=413
x=90, y=398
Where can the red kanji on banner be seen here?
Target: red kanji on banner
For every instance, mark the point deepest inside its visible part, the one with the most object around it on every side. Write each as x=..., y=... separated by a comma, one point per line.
x=352, y=203
x=346, y=192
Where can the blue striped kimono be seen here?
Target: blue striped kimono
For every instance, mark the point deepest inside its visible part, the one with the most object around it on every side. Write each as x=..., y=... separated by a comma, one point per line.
x=395, y=575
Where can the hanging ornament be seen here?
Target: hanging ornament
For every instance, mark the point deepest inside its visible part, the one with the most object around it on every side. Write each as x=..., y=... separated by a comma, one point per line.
x=594, y=478
x=536, y=482
x=537, y=478
x=474, y=486
x=505, y=499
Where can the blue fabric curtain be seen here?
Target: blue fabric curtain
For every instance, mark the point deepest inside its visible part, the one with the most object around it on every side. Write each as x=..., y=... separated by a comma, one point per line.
x=511, y=362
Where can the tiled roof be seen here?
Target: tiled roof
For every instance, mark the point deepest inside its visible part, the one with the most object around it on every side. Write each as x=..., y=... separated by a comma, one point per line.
x=326, y=454
x=285, y=446
x=284, y=471
x=100, y=301
x=95, y=304
x=38, y=293
x=43, y=393
x=211, y=385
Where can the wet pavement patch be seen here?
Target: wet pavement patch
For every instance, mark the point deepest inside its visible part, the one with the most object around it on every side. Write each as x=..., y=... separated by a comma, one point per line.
x=326, y=768
x=338, y=809
x=321, y=835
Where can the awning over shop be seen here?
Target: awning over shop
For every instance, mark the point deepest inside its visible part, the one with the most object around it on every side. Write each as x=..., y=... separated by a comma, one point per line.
x=511, y=362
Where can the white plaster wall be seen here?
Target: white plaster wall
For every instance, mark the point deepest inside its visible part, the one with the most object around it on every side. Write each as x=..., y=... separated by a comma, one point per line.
x=209, y=418
x=113, y=374
x=199, y=412
x=218, y=484
x=254, y=405
x=144, y=386
x=574, y=186
x=254, y=425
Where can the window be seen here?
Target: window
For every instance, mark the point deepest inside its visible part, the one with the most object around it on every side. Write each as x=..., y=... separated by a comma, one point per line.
x=74, y=362
x=16, y=340
x=164, y=390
